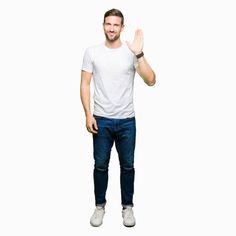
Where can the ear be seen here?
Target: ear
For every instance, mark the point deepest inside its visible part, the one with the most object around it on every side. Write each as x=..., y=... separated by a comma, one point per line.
x=122, y=27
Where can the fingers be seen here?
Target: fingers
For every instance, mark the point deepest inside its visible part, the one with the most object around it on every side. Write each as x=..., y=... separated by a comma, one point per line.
x=139, y=33
x=92, y=130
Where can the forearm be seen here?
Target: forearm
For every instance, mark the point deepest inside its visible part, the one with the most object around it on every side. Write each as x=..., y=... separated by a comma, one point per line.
x=146, y=72
x=85, y=98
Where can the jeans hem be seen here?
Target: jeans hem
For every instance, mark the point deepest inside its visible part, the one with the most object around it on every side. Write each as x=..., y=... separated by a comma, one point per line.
x=127, y=205
x=101, y=204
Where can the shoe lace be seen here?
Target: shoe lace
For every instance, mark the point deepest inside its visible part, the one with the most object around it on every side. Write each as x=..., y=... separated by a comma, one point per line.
x=98, y=212
x=128, y=213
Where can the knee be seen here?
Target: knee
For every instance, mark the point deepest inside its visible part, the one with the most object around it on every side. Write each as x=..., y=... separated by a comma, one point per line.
x=127, y=167
x=100, y=167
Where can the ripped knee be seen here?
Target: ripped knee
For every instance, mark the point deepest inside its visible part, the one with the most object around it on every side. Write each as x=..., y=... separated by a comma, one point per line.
x=101, y=168
x=127, y=168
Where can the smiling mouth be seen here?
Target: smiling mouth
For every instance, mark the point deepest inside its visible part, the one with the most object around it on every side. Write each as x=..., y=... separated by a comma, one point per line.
x=111, y=35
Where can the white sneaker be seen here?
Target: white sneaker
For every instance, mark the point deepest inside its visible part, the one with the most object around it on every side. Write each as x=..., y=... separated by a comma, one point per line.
x=97, y=217
x=128, y=217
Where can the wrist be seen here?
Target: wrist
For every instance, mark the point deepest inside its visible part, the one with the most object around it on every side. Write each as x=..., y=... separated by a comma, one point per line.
x=88, y=114
x=139, y=55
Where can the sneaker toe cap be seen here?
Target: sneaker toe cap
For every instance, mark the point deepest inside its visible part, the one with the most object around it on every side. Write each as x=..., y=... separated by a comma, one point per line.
x=129, y=222
x=96, y=222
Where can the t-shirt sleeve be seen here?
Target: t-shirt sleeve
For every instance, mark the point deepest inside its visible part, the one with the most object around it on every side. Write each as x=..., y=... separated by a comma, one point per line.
x=87, y=64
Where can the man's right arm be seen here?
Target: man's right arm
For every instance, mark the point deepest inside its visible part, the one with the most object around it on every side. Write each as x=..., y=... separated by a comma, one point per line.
x=85, y=98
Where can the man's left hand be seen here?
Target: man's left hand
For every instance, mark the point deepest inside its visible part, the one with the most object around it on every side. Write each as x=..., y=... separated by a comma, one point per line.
x=137, y=46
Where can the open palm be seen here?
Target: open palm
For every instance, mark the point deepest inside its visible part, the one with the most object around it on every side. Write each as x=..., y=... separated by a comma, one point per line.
x=137, y=45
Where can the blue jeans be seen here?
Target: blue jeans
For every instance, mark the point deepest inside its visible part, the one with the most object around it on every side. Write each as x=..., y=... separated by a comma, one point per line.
x=123, y=133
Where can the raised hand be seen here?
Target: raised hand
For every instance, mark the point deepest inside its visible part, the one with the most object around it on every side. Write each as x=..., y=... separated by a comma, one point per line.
x=137, y=45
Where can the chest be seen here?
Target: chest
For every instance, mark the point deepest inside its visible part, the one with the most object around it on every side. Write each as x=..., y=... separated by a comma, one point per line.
x=114, y=63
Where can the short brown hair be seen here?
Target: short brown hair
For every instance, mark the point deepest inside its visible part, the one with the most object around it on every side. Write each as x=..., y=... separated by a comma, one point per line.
x=114, y=12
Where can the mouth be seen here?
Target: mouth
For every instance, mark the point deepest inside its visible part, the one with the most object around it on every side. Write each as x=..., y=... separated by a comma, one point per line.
x=111, y=35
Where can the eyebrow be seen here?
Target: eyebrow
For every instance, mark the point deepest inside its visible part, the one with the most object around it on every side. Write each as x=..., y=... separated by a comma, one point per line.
x=107, y=23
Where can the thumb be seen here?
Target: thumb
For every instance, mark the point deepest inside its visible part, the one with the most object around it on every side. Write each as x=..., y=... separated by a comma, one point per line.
x=128, y=43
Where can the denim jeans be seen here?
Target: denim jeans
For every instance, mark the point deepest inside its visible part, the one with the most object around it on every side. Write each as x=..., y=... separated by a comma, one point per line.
x=122, y=132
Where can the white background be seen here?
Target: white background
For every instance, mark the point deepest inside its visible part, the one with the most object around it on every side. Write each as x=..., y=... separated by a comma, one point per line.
x=186, y=132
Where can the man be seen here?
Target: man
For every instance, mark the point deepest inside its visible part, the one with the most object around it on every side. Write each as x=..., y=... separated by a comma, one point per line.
x=112, y=65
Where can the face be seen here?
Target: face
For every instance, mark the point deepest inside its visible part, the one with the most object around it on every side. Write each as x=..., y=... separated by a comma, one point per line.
x=112, y=28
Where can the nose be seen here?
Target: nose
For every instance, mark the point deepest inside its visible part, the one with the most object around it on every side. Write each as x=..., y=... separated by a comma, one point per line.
x=112, y=28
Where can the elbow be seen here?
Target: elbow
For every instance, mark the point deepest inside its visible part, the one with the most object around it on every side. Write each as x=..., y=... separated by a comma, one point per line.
x=152, y=83
x=152, y=80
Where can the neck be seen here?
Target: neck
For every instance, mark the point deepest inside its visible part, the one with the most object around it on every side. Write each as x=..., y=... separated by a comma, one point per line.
x=113, y=44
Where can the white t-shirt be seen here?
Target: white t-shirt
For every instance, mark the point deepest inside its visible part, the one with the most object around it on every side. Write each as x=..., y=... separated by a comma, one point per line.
x=113, y=74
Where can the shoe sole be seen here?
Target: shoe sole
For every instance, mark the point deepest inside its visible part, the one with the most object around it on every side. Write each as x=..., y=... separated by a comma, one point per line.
x=95, y=225
x=129, y=226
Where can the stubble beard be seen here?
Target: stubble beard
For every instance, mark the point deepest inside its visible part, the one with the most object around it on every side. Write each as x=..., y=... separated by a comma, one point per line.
x=112, y=39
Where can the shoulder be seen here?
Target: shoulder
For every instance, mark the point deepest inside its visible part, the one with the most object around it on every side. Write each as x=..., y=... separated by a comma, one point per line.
x=95, y=47
x=91, y=51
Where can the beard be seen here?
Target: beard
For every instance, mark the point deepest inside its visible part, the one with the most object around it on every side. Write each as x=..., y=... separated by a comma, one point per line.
x=112, y=38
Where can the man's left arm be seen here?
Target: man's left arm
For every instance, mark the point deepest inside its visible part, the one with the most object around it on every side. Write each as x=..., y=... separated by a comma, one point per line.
x=144, y=69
